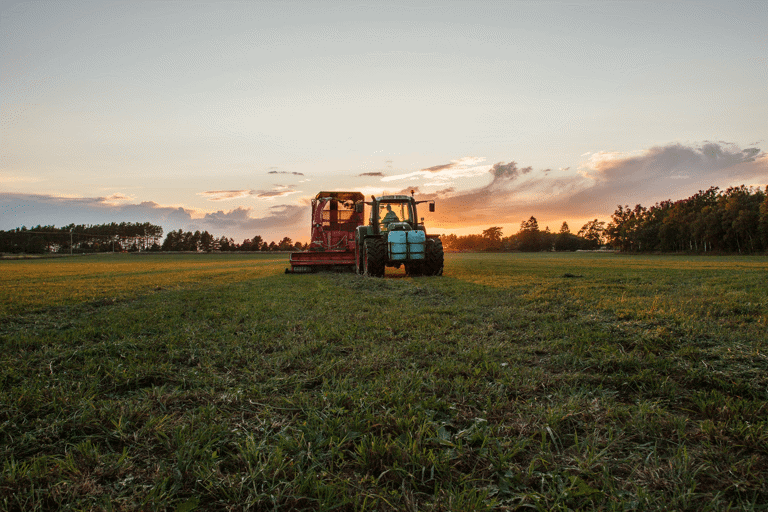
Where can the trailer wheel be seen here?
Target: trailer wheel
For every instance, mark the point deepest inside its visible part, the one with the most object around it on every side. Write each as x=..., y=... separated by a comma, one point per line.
x=374, y=257
x=434, y=257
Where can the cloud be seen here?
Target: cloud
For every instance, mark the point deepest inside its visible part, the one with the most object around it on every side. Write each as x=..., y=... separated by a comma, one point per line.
x=443, y=174
x=117, y=199
x=372, y=174
x=280, y=217
x=278, y=191
x=9, y=178
x=438, y=168
x=708, y=161
x=224, y=195
x=509, y=171
x=674, y=171
x=286, y=172
x=425, y=196
x=603, y=181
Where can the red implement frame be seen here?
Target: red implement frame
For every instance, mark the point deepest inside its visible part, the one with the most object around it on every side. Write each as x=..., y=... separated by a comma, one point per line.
x=332, y=244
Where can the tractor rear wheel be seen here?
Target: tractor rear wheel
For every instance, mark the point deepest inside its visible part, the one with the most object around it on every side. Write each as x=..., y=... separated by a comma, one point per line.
x=359, y=257
x=434, y=257
x=374, y=257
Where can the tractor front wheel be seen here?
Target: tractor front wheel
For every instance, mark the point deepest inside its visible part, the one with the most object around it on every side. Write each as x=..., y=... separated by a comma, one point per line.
x=374, y=256
x=434, y=257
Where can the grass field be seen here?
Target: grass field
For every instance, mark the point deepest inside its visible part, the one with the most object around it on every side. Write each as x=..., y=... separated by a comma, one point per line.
x=515, y=381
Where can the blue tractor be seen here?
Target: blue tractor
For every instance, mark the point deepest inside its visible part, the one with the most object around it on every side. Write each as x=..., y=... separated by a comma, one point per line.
x=394, y=237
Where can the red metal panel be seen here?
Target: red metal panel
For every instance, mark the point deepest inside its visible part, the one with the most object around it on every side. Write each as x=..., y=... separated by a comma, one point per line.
x=322, y=258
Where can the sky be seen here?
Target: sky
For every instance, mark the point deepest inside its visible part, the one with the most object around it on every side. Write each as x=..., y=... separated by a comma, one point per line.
x=229, y=116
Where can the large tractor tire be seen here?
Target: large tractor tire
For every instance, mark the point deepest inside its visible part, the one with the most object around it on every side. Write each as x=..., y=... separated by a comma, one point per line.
x=374, y=257
x=359, y=257
x=433, y=266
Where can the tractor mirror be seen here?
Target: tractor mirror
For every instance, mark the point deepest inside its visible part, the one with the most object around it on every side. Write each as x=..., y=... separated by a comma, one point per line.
x=359, y=207
x=432, y=207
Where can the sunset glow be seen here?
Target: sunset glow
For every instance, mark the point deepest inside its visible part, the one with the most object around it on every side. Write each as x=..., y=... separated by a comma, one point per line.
x=229, y=116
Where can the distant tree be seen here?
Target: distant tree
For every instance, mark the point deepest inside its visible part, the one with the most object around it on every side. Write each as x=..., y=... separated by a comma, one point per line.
x=510, y=243
x=194, y=241
x=763, y=223
x=226, y=244
x=172, y=241
x=493, y=237
x=254, y=244
x=547, y=240
x=493, y=233
x=205, y=242
x=592, y=233
x=621, y=231
x=449, y=241
x=273, y=246
x=529, y=235
x=286, y=244
x=565, y=240
x=36, y=245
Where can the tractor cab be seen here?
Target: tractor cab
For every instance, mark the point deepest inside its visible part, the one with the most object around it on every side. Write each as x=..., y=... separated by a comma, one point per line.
x=395, y=213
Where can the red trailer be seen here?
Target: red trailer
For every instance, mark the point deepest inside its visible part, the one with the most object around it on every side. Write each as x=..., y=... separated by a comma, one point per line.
x=335, y=217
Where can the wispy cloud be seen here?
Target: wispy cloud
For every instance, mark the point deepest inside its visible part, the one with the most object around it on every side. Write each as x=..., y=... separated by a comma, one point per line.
x=224, y=195
x=372, y=174
x=11, y=178
x=277, y=191
x=444, y=173
x=117, y=198
x=286, y=172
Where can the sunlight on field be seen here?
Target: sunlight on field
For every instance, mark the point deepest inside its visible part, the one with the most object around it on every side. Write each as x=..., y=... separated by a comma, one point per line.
x=638, y=286
x=47, y=282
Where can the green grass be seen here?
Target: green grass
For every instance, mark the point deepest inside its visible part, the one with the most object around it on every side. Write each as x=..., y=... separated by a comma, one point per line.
x=216, y=382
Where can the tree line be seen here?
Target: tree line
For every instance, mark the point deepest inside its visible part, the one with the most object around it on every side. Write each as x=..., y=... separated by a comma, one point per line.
x=530, y=238
x=731, y=221
x=81, y=238
x=197, y=241
x=127, y=237
x=734, y=220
